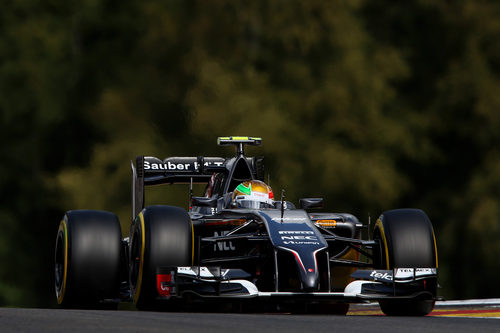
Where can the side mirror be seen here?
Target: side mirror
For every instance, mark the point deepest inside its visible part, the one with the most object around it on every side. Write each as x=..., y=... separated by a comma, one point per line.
x=307, y=203
x=204, y=202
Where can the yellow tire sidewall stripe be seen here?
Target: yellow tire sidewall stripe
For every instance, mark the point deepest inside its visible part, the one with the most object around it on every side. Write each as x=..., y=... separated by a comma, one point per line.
x=435, y=247
x=64, y=229
x=141, y=264
x=379, y=224
x=192, y=242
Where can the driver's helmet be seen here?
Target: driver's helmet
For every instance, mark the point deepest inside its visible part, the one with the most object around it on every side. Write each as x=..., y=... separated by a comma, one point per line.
x=253, y=194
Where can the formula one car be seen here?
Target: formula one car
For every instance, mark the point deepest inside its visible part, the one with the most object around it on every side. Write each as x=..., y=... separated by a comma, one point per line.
x=238, y=244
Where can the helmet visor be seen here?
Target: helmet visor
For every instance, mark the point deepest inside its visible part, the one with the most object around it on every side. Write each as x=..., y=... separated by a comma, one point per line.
x=252, y=204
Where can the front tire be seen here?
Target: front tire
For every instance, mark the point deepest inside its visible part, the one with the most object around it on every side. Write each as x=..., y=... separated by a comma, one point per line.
x=407, y=240
x=161, y=236
x=87, y=259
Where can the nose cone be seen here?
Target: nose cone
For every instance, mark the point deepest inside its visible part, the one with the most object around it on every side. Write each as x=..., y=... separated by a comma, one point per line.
x=306, y=264
x=310, y=281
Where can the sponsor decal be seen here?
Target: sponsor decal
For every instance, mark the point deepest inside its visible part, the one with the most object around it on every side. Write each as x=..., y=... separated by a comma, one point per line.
x=327, y=223
x=402, y=273
x=381, y=276
x=171, y=166
x=300, y=243
x=405, y=273
x=203, y=272
x=166, y=166
x=184, y=269
x=299, y=237
x=425, y=271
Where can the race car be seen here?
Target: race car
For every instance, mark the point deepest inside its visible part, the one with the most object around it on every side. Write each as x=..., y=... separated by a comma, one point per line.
x=242, y=244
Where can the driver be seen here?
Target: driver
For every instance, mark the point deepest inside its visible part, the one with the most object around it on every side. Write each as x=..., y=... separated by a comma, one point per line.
x=253, y=194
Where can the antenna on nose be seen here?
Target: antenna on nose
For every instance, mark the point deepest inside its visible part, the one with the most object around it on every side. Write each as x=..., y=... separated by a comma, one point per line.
x=282, y=204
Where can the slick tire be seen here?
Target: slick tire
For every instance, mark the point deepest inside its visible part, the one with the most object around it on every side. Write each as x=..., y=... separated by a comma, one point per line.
x=161, y=236
x=87, y=259
x=407, y=240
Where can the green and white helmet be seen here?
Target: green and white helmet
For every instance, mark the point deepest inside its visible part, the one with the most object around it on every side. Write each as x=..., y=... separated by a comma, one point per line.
x=253, y=194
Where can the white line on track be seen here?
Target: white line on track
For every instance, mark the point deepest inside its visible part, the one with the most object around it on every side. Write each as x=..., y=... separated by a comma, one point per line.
x=487, y=301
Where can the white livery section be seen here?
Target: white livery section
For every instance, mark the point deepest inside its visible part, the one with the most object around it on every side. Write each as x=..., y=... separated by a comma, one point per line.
x=411, y=273
x=399, y=275
x=197, y=272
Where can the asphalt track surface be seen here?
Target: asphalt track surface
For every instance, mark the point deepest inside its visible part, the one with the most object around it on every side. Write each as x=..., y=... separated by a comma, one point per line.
x=359, y=319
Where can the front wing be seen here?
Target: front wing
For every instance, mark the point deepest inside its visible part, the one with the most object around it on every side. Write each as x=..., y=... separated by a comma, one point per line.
x=232, y=284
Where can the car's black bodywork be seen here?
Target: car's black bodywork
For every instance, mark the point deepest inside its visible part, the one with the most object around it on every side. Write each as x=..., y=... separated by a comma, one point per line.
x=281, y=255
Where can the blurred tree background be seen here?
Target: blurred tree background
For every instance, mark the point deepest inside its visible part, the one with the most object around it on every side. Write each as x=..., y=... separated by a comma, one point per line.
x=371, y=104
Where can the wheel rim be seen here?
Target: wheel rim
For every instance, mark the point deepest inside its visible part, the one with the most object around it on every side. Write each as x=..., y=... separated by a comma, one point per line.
x=59, y=267
x=61, y=262
x=135, y=258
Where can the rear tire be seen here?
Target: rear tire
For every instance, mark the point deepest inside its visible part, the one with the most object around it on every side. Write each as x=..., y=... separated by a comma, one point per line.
x=161, y=236
x=406, y=240
x=87, y=259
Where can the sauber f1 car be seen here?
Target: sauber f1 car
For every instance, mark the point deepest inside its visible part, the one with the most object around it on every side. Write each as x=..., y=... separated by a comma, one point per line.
x=239, y=244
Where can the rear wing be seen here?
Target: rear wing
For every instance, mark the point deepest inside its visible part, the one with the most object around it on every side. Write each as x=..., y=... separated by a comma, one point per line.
x=149, y=170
